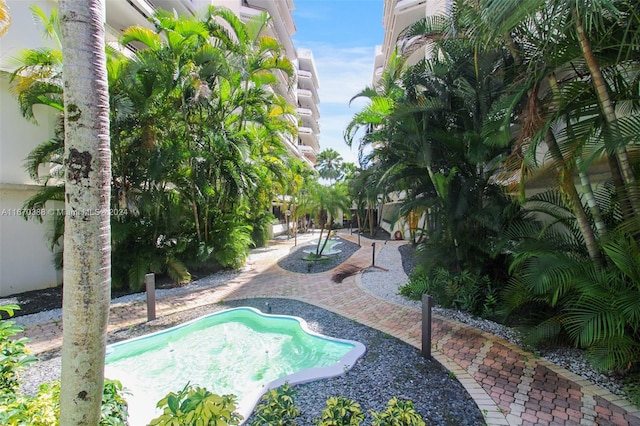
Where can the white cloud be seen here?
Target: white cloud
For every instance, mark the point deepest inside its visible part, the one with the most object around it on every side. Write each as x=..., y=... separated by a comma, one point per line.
x=343, y=72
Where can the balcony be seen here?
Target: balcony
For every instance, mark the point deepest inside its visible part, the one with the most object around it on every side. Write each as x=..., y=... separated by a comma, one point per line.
x=308, y=137
x=308, y=121
x=307, y=84
x=309, y=154
x=306, y=100
x=308, y=150
x=307, y=112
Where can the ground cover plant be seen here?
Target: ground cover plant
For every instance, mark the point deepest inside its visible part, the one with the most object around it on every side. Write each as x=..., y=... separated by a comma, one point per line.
x=42, y=409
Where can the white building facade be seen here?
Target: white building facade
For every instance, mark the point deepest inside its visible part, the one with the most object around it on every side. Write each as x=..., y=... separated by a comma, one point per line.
x=25, y=258
x=397, y=15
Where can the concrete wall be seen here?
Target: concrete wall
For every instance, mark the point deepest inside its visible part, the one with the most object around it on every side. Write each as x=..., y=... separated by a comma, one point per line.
x=25, y=259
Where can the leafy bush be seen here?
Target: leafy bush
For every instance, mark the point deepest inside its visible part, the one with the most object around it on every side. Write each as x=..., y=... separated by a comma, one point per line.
x=464, y=291
x=418, y=284
x=14, y=356
x=397, y=413
x=262, y=229
x=340, y=411
x=231, y=241
x=198, y=407
x=277, y=408
x=44, y=408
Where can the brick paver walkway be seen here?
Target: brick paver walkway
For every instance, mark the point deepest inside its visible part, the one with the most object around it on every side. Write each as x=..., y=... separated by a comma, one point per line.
x=509, y=385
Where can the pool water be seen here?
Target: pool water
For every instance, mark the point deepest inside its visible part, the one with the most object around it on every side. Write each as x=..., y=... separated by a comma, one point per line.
x=240, y=351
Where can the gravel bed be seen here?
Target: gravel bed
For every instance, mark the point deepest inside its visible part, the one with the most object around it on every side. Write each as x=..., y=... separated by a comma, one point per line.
x=296, y=262
x=389, y=368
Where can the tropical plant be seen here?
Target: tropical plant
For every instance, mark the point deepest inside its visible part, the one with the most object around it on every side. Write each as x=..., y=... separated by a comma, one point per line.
x=397, y=413
x=277, y=407
x=192, y=188
x=464, y=291
x=43, y=409
x=197, y=406
x=567, y=297
x=575, y=99
x=326, y=203
x=14, y=356
x=340, y=411
x=329, y=165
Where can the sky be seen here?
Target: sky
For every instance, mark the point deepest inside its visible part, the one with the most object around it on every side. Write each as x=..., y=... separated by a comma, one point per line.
x=342, y=34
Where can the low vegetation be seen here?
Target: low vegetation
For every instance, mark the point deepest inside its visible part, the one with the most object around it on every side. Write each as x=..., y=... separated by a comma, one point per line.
x=43, y=409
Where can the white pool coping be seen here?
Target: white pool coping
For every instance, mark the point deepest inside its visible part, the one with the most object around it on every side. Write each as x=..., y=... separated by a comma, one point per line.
x=250, y=400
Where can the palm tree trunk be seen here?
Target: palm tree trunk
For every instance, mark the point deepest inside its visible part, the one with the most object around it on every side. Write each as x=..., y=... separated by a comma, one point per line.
x=619, y=163
x=87, y=236
x=196, y=220
x=587, y=190
x=319, y=240
x=371, y=223
x=575, y=203
x=326, y=240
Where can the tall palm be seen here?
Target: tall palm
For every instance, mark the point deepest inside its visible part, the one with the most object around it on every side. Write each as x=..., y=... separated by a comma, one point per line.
x=589, y=53
x=329, y=165
x=578, y=58
x=325, y=203
x=435, y=147
x=87, y=249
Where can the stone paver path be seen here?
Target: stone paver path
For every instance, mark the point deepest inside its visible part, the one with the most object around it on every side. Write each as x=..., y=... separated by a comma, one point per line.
x=509, y=385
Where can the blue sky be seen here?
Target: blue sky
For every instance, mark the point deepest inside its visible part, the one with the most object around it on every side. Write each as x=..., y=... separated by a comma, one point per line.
x=342, y=34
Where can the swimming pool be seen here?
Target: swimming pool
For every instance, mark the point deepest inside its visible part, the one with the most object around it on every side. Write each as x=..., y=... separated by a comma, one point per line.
x=241, y=351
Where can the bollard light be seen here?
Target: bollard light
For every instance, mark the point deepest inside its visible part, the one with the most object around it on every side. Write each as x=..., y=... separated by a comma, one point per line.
x=427, y=304
x=150, y=286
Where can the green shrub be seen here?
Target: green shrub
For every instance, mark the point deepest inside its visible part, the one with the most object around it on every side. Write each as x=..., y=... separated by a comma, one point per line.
x=277, y=408
x=114, y=411
x=14, y=356
x=262, y=229
x=340, y=411
x=632, y=388
x=397, y=413
x=44, y=408
x=417, y=285
x=464, y=291
x=197, y=407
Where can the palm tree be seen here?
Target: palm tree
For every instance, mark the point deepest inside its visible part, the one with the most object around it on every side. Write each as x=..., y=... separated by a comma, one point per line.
x=591, y=58
x=579, y=104
x=196, y=139
x=326, y=203
x=329, y=165
x=87, y=249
